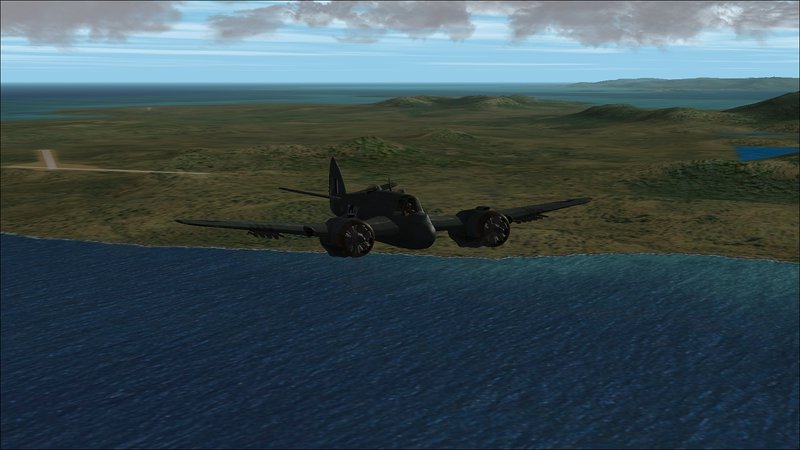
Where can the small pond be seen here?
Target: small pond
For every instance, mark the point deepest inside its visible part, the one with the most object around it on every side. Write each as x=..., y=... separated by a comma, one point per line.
x=750, y=153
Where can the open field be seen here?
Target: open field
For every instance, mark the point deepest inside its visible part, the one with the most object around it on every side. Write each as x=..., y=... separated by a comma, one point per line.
x=663, y=181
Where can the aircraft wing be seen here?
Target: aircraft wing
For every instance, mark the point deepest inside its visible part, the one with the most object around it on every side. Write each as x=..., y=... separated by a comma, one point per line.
x=262, y=229
x=534, y=212
x=382, y=226
x=520, y=214
x=444, y=223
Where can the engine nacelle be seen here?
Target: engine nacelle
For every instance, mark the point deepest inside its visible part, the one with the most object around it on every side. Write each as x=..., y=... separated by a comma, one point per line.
x=482, y=227
x=348, y=237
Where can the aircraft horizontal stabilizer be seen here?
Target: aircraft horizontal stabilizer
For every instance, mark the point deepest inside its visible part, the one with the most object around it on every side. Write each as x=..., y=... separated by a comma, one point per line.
x=297, y=191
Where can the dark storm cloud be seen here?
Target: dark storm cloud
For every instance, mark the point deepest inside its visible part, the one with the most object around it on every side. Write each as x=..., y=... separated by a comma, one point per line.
x=59, y=22
x=592, y=23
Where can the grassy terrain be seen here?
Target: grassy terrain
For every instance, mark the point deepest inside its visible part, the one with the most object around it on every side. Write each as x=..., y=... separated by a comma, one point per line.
x=662, y=181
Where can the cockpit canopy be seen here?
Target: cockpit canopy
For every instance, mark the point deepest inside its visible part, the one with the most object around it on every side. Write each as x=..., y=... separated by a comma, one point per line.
x=408, y=205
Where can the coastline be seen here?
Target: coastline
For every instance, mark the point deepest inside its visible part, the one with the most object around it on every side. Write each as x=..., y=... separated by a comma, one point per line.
x=661, y=186
x=132, y=244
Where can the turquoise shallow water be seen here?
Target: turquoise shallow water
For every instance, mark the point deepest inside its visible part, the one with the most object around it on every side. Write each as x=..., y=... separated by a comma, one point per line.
x=124, y=346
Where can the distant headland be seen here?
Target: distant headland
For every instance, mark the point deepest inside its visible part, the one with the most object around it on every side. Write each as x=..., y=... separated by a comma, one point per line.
x=776, y=83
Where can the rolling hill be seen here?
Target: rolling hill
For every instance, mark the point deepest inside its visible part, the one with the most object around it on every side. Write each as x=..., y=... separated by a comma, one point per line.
x=478, y=102
x=784, y=107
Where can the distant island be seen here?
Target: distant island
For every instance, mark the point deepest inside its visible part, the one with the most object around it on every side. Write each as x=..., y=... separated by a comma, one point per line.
x=776, y=83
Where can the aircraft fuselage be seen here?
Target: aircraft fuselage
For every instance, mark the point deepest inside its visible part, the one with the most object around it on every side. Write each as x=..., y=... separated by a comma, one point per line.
x=415, y=228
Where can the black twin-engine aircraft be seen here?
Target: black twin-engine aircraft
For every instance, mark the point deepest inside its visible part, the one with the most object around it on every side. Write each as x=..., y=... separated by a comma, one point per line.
x=393, y=217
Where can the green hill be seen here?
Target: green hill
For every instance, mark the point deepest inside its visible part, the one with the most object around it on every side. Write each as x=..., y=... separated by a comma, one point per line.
x=447, y=135
x=779, y=109
x=628, y=113
x=772, y=180
x=613, y=112
x=413, y=101
x=469, y=102
x=689, y=114
x=784, y=107
x=367, y=147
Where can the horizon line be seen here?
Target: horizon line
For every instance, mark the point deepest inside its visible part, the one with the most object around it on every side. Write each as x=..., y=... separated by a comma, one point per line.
x=393, y=82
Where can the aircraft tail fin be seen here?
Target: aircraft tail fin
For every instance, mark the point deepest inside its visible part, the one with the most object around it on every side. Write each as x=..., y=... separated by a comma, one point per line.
x=336, y=189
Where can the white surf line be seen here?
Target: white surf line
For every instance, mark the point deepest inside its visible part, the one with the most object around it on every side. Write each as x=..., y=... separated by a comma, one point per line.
x=49, y=160
x=106, y=170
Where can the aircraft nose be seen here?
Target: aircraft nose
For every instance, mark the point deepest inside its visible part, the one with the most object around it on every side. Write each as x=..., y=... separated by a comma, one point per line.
x=430, y=236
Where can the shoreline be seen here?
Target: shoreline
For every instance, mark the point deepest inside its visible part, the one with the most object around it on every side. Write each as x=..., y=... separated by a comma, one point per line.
x=743, y=258
x=662, y=186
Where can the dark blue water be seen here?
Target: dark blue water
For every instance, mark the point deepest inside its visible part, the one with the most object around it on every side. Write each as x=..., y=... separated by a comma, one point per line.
x=122, y=346
x=42, y=101
x=749, y=153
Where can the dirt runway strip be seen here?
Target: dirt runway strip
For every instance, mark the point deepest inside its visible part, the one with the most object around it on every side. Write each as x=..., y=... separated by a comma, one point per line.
x=105, y=170
x=50, y=164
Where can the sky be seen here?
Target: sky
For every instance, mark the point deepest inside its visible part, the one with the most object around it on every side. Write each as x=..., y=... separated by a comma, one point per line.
x=394, y=42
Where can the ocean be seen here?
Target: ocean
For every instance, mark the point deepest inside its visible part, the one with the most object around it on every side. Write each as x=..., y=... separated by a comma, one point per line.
x=43, y=101
x=111, y=346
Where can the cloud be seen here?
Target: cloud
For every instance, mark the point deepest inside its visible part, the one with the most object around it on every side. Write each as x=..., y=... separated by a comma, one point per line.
x=365, y=21
x=55, y=22
x=9, y=50
x=659, y=24
x=591, y=23
x=416, y=19
x=247, y=23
